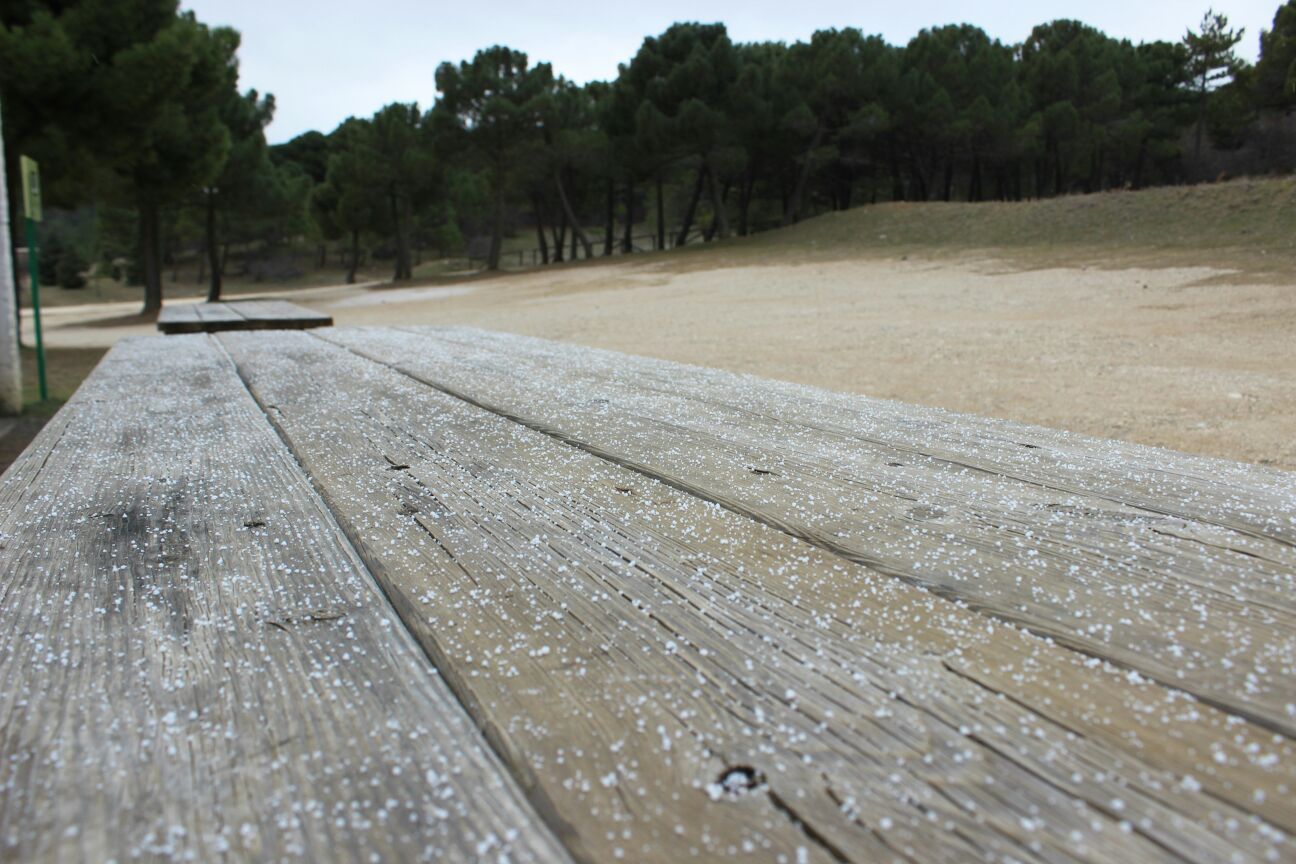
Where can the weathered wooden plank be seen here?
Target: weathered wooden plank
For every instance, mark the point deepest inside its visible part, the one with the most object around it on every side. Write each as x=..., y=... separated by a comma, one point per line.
x=1251, y=499
x=627, y=644
x=179, y=313
x=193, y=663
x=216, y=316
x=239, y=315
x=197, y=318
x=278, y=315
x=180, y=318
x=1178, y=595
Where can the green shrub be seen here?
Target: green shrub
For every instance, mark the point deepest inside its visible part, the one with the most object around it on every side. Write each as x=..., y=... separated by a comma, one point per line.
x=71, y=268
x=49, y=251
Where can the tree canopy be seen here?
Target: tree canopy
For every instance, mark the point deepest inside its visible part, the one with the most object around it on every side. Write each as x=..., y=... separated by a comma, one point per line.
x=123, y=98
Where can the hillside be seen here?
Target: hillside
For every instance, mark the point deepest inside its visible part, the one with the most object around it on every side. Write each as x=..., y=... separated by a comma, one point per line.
x=1242, y=224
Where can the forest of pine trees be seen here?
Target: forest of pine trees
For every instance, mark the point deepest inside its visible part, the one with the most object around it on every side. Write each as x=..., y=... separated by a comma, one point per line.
x=698, y=137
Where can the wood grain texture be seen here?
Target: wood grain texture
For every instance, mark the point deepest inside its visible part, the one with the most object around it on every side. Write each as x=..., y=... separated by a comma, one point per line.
x=193, y=663
x=196, y=318
x=626, y=644
x=238, y=315
x=279, y=314
x=1175, y=566
x=212, y=316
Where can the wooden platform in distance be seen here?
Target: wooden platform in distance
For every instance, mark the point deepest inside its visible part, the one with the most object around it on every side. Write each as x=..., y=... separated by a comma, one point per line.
x=238, y=315
x=661, y=613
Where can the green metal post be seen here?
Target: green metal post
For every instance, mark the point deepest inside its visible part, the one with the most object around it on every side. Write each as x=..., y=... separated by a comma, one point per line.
x=33, y=267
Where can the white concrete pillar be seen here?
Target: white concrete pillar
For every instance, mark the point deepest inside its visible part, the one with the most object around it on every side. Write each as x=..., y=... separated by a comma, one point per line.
x=10, y=364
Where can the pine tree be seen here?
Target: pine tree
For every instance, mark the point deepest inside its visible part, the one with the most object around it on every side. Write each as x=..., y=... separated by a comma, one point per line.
x=1211, y=61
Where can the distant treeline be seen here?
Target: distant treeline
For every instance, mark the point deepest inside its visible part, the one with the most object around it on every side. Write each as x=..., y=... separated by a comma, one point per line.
x=698, y=135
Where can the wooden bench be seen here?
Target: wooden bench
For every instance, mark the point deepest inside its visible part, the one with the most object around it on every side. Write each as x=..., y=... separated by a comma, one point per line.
x=449, y=594
x=238, y=315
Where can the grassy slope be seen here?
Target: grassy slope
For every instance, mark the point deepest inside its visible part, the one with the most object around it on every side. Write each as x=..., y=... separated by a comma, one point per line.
x=1245, y=224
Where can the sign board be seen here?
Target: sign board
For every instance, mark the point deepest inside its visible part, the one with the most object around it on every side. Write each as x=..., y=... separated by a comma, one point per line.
x=31, y=188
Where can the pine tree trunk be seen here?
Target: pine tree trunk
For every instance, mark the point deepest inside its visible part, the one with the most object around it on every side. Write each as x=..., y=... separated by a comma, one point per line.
x=150, y=257
x=213, y=259
x=540, y=233
x=744, y=202
x=720, y=213
x=402, y=270
x=1201, y=123
x=577, y=231
x=793, y=211
x=609, y=230
x=355, y=258
x=1138, y=165
x=661, y=215
x=497, y=222
x=919, y=182
x=560, y=237
x=687, y=225
x=627, y=239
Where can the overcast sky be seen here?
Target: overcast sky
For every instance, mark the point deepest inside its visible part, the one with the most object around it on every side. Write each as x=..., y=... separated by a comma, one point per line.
x=326, y=60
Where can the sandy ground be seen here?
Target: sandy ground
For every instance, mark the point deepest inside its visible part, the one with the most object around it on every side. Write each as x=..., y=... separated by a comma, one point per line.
x=1188, y=358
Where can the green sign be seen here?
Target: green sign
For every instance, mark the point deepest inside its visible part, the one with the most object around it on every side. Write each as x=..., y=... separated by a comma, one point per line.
x=31, y=189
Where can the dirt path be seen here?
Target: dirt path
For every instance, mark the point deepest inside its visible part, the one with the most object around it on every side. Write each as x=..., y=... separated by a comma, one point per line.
x=1177, y=357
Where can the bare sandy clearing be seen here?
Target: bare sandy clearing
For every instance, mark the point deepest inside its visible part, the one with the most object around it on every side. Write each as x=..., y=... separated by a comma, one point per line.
x=1174, y=356
x=403, y=295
